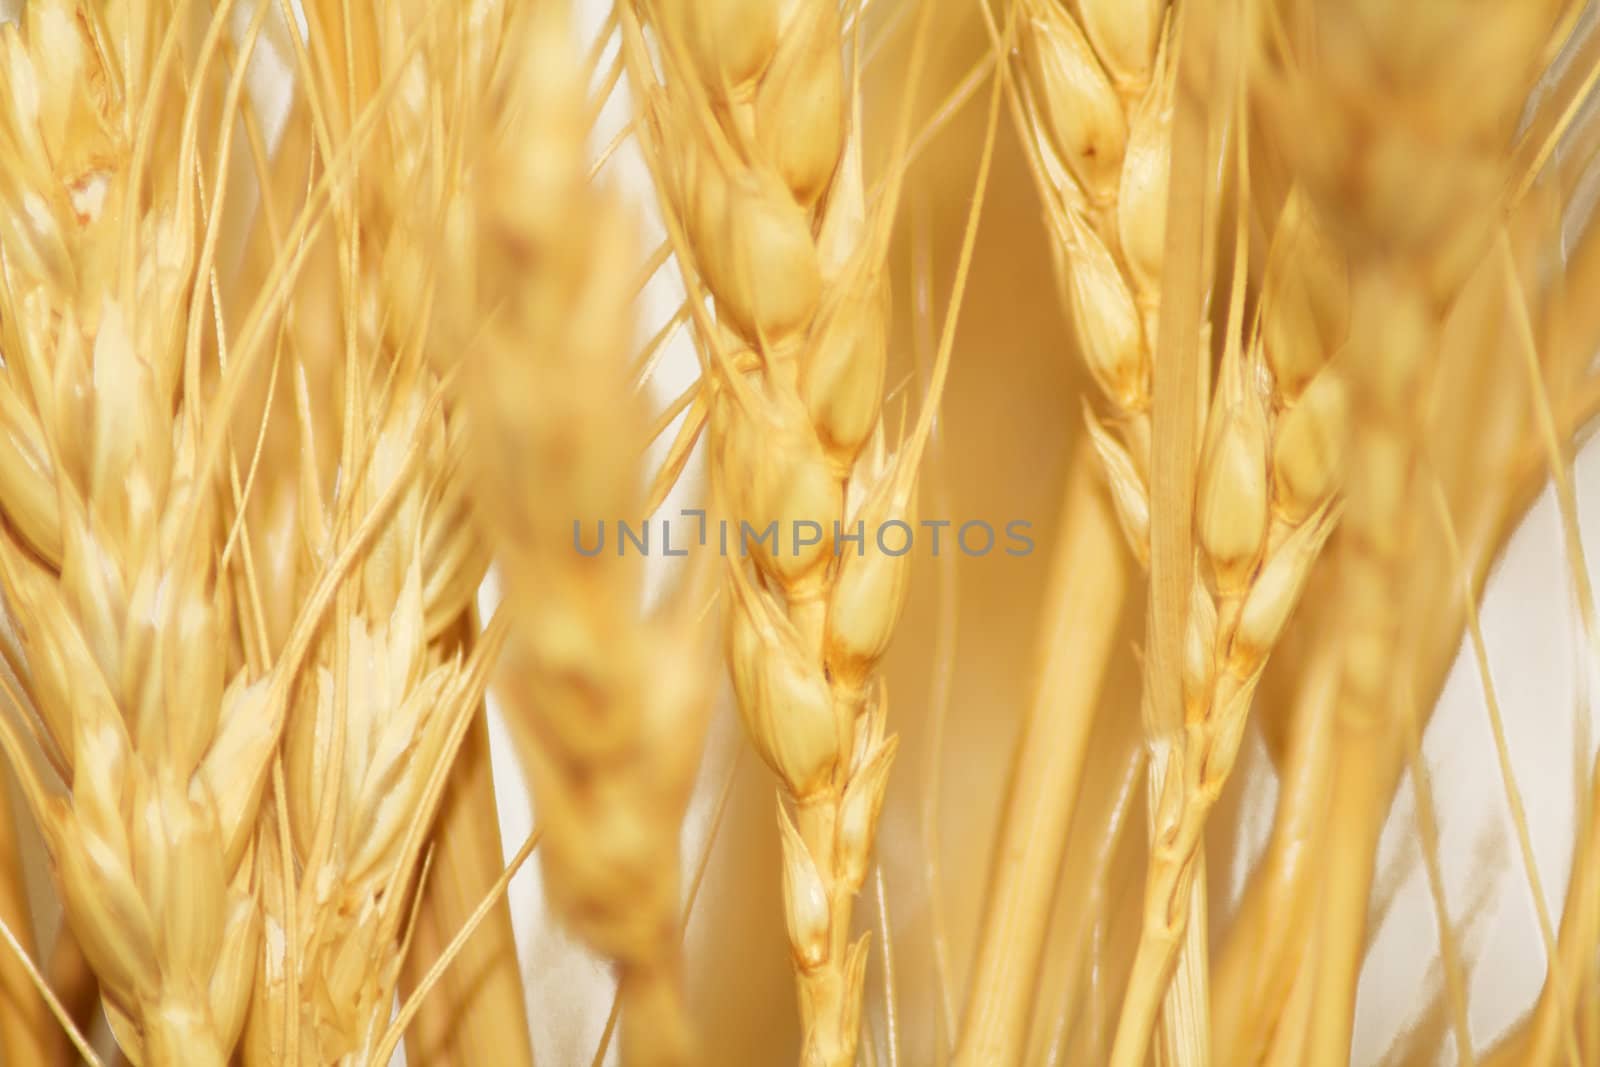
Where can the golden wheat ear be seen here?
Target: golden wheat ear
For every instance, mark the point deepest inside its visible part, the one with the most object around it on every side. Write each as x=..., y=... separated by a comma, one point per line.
x=134, y=690
x=1409, y=256
x=757, y=151
x=608, y=706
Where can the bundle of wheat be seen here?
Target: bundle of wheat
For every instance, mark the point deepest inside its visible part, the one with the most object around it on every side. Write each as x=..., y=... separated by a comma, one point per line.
x=312, y=315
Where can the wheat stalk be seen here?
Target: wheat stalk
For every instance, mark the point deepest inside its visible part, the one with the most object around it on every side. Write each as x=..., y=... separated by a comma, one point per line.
x=1095, y=109
x=760, y=143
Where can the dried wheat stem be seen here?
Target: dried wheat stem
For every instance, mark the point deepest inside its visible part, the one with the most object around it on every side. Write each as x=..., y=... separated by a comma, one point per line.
x=47, y=996
x=449, y=953
x=1087, y=85
x=481, y=1004
x=1108, y=827
x=1262, y=956
x=1087, y=586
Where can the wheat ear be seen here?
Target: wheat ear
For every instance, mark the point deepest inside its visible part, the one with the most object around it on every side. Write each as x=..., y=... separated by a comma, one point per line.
x=126, y=629
x=477, y=1010
x=1409, y=254
x=1095, y=115
x=366, y=503
x=408, y=186
x=758, y=141
x=609, y=707
x=1264, y=507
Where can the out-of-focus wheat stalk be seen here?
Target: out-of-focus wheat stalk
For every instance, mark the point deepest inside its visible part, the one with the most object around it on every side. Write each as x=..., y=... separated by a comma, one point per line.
x=1412, y=196
x=609, y=707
